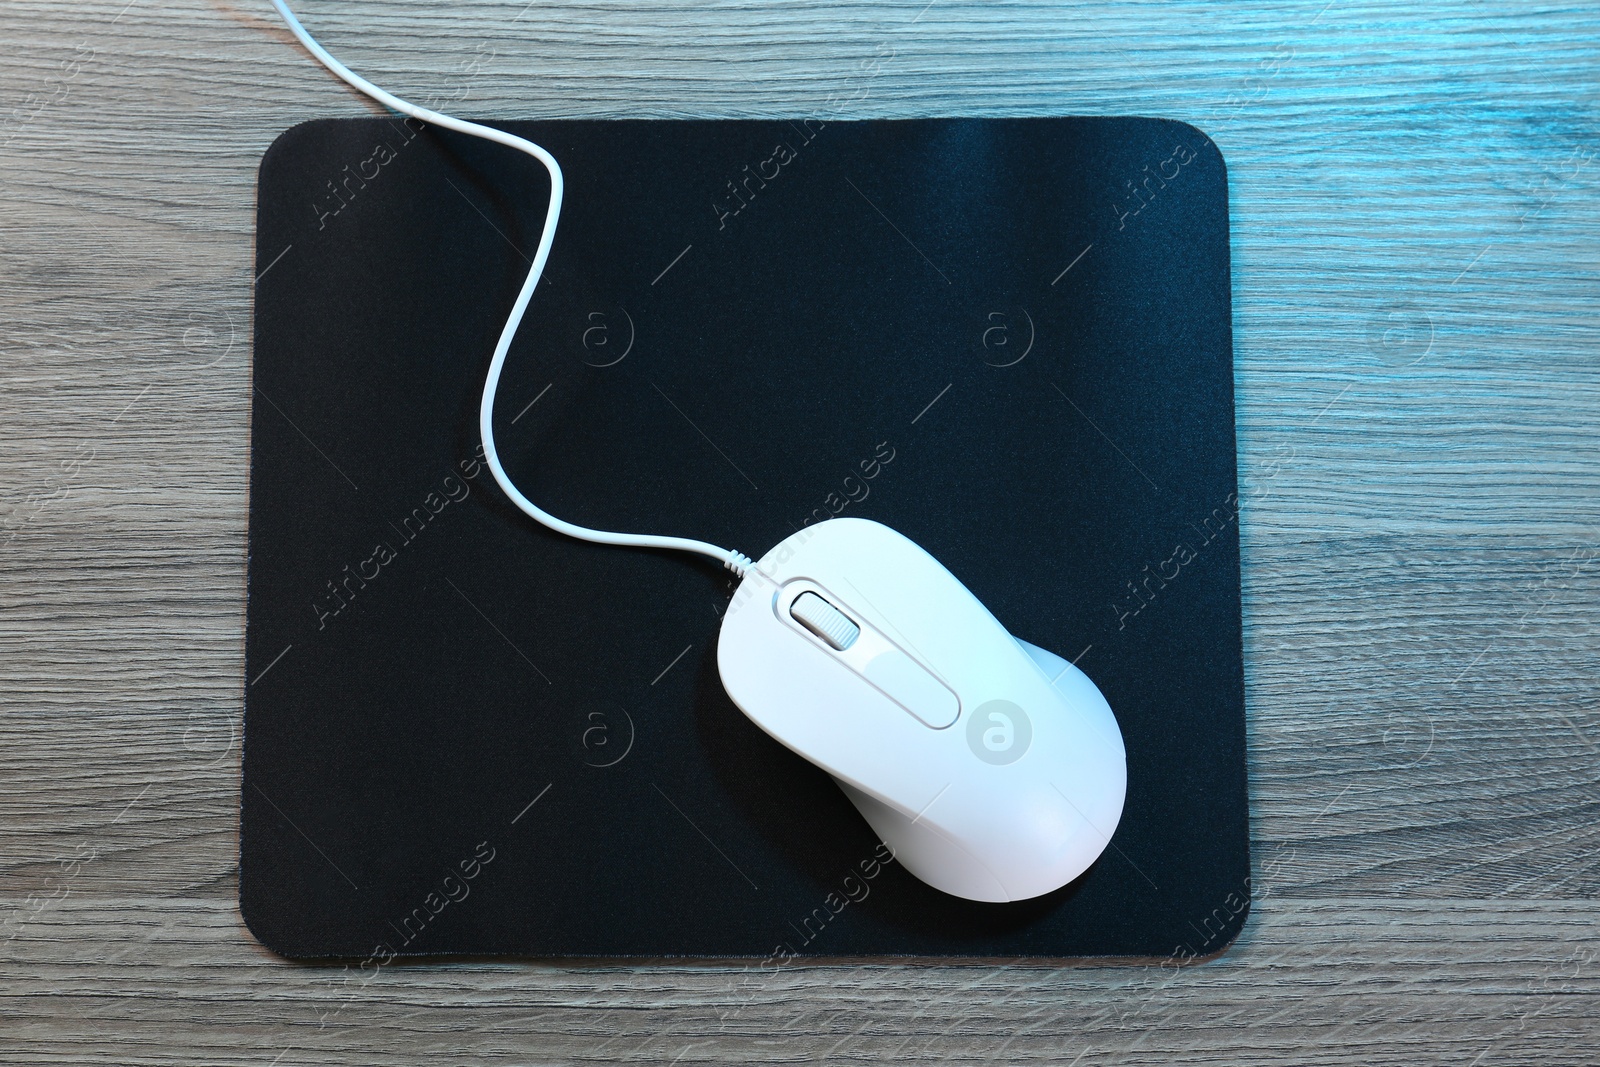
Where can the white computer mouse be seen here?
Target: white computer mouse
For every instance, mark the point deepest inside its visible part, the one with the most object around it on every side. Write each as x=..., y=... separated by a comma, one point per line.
x=994, y=769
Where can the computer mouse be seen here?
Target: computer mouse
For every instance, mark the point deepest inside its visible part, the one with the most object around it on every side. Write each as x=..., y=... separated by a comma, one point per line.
x=994, y=769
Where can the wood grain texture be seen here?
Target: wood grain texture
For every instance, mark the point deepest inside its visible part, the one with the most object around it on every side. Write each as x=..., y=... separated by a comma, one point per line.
x=1416, y=258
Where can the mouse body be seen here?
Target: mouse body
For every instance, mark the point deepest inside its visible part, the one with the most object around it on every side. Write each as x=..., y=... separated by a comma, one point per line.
x=994, y=769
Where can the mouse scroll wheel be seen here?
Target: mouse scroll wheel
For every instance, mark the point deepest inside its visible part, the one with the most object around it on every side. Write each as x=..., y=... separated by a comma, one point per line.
x=824, y=620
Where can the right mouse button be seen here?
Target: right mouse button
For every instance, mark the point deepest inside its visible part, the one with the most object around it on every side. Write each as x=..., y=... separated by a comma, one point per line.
x=910, y=685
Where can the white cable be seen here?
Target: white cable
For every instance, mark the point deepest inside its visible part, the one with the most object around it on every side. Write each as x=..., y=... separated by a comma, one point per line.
x=735, y=561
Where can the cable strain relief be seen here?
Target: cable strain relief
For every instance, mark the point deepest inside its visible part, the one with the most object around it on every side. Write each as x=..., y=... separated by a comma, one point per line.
x=738, y=562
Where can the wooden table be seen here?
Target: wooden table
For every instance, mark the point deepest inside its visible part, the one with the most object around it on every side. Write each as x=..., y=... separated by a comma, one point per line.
x=1417, y=278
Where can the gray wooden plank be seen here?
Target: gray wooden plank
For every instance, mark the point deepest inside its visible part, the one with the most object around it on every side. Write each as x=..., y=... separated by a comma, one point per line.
x=154, y=979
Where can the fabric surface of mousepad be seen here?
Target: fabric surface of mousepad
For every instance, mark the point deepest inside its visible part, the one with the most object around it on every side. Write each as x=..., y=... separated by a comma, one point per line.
x=1008, y=339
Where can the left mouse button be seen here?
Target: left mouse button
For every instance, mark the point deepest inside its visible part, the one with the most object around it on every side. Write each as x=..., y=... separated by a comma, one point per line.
x=909, y=684
x=824, y=620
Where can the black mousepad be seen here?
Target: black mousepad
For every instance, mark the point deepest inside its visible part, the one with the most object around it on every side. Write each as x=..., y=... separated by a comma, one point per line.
x=1008, y=339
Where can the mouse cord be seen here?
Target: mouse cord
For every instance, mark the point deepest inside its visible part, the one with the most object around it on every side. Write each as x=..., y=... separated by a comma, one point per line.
x=736, y=562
